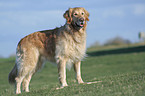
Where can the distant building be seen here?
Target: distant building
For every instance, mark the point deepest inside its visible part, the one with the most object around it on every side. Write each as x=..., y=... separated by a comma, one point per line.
x=141, y=36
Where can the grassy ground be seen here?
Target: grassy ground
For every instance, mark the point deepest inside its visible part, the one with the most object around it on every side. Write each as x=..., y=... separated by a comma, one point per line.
x=121, y=70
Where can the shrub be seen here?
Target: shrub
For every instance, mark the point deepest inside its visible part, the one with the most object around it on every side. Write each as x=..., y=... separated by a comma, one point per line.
x=117, y=41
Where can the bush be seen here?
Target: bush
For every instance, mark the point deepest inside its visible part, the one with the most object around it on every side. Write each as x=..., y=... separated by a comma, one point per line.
x=117, y=41
x=96, y=44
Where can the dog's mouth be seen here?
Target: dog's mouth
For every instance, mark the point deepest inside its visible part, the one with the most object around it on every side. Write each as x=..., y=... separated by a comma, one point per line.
x=79, y=24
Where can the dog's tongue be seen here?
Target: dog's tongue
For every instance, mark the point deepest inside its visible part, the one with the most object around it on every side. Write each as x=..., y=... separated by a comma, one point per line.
x=81, y=25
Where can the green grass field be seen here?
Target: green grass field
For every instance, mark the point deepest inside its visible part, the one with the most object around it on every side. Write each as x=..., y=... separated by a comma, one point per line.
x=121, y=70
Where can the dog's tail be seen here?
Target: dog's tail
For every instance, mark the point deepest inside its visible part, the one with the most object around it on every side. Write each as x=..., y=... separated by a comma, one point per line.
x=12, y=75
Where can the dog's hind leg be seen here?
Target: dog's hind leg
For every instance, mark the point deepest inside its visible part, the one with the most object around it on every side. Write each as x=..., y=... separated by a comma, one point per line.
x=26, y=61
x=27, y=78
x=23, y=76
x=18, y=84
x=26, y=82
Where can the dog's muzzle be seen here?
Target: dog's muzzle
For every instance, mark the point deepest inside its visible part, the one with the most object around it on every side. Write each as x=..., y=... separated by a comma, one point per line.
x=80, y=22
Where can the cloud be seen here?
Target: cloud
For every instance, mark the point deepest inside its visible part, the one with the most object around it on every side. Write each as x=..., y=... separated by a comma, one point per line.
x=31, y=18
x=113, y=13
x=139, y=9
x=123, y=10
x=9, y=5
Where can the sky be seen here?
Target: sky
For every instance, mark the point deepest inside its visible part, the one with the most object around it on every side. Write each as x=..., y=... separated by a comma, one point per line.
x=108, y=19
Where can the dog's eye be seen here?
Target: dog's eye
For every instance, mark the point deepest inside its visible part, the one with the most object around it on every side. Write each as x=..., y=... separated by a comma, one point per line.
x=75, y=14
x=83, y=13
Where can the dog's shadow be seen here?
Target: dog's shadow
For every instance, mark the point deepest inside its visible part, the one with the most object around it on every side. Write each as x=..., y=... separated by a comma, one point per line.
x=82, y=83
x=92, y=82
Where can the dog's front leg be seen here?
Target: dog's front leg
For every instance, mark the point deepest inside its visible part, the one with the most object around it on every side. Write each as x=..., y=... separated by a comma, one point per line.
x=62, y=73
x=77, y=68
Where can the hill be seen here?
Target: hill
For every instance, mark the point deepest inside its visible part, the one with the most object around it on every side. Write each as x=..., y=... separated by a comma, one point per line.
x=121, y=70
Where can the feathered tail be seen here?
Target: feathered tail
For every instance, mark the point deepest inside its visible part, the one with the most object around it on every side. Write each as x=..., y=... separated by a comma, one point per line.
x=12, y=75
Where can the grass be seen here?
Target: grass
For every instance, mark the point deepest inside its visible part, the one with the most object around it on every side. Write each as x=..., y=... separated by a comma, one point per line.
x=121, y=70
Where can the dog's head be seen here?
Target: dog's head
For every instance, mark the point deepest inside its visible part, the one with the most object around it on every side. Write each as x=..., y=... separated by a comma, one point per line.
x=77, y=17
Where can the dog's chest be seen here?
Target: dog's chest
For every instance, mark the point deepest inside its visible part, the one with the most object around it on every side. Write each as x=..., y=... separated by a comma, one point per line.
x=72, y=48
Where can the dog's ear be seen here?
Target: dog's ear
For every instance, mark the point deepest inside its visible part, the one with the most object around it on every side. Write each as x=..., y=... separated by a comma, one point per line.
x=87, y=14
x=68, y=15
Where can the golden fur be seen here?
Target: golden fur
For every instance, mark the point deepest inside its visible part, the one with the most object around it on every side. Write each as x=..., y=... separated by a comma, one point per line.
x=64, y=45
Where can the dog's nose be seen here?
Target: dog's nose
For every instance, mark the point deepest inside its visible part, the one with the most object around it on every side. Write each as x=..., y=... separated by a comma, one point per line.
x=81, y=19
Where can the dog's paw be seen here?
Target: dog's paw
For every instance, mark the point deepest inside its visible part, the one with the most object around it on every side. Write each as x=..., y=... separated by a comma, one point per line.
x=81, y=82
x=61, y=87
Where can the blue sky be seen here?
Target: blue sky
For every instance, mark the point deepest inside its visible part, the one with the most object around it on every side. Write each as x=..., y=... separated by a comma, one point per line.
x=108, y=19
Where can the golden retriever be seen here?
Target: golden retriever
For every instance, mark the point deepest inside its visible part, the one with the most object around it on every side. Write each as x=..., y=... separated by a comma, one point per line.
x=64, y=45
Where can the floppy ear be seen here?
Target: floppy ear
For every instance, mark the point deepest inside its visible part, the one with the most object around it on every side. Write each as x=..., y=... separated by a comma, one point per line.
x=67, y=15
x=87, y=14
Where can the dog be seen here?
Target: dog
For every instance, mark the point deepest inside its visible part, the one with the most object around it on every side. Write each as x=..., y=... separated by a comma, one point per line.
x=65, y=45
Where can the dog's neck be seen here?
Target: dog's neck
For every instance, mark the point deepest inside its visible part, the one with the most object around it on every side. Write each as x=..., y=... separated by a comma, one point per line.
x=79, y=36
x=72, y=29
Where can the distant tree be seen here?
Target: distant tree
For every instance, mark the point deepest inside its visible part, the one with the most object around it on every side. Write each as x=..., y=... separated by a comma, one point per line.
x=1, y=56
x=12, y=55
x=96, y=44
x=117, y=41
